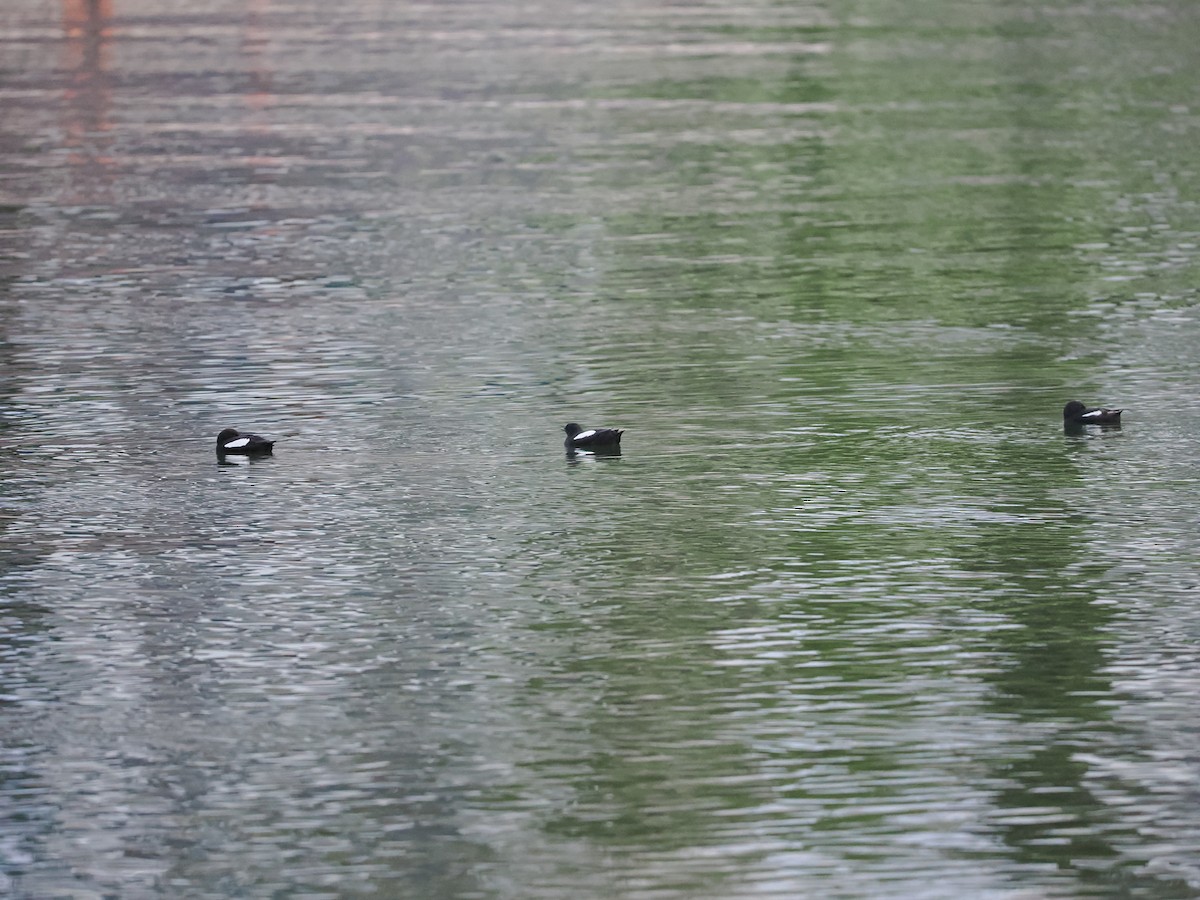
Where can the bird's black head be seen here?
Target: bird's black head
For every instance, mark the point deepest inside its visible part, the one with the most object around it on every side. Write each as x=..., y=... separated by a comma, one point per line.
x=572, y=429
x=226, y=435
x=1073, y=410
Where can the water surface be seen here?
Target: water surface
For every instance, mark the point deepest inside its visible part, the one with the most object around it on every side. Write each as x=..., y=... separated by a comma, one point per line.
x=850, y=616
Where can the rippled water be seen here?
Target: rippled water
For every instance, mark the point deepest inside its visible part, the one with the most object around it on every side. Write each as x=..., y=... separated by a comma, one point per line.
x=850, y=616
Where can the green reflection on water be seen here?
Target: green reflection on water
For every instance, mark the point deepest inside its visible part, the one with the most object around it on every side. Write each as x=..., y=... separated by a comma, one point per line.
x=867, y=298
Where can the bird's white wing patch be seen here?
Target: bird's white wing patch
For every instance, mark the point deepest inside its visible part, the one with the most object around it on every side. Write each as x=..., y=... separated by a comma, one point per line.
x=584, y=434
x=237, y=443
x=1093, y=414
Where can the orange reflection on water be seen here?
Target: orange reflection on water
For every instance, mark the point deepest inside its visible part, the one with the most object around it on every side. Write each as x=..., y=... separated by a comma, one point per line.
x=87, y=100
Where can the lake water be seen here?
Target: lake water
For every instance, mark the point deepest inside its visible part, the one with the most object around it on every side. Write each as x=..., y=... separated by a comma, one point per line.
x=851, y=615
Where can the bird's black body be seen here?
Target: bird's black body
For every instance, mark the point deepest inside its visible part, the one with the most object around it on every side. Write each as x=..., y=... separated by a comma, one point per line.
x=232, y=442
x=596, y=440
x=1075, y=413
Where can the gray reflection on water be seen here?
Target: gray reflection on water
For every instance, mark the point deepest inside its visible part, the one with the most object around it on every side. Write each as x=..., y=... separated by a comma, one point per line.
x=846, y=617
